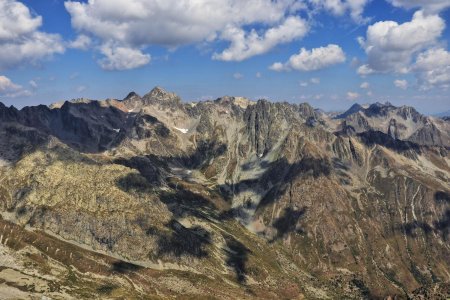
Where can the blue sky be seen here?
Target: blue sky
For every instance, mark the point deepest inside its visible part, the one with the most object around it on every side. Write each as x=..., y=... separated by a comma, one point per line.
x=353, y=50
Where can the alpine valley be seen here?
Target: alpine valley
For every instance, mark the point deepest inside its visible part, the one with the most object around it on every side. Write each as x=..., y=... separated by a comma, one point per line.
x=151, y=197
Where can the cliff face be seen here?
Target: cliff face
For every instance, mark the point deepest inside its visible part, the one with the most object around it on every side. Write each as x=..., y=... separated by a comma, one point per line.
x=228, y=198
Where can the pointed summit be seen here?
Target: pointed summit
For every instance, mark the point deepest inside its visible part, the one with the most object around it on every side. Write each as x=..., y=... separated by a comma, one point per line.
x=353, y=109
x=379, y=109
x=7, y=113
x=157, y=90
x=131, y=96
x=160, y=96
x=157, y=96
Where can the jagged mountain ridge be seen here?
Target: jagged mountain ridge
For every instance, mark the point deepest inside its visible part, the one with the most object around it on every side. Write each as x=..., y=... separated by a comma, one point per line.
x=274, y=197
x=403, y=123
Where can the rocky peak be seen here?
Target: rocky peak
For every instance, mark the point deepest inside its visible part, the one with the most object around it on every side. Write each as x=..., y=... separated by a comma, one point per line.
x=159, y=94
x=132, y=96
x=379, y=109
x=81, y=101
x=6, y=113
x=161, y=98
x=242, y=102
x=133, y=101
x=56, y=105
x=429, y=135
x=3, y=108
x=408, y=112
x=307, y=111
x=353, y=109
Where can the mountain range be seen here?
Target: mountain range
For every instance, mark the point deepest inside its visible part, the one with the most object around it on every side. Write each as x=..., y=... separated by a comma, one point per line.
x=151, y=197
x=443, y=114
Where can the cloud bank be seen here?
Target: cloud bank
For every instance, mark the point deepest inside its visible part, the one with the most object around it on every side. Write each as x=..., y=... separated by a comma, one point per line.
x=21, y=41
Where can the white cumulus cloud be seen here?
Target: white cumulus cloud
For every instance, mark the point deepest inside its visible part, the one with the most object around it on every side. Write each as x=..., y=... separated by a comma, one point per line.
x=20, y=38
x=402, y=84
x=82, y=42
x=427, y=5
x=340, y=7
x=352, y=96
x=9, y=89
x=311, y=60
x=137, y=24
x=122, y=58
x=170, y=22
x=433, y=68
x=245, y=45
x=245, y=28
x=390, y=46
x=364, y=85
x=7, y=85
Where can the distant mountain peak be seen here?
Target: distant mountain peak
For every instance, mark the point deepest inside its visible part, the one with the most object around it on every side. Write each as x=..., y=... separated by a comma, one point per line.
x=353, y=109
x=379, y=109
x=158, y=89
x=443, y=114
x=131, y=95
x=356, y=106
x=59, y=104
x=158, y=94
x=239, y=101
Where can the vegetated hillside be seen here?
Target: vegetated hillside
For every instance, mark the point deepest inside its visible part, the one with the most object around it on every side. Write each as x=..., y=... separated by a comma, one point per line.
x=150, y=197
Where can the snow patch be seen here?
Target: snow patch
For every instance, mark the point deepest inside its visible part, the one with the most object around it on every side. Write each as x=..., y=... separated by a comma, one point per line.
x=183, y=130
x=116, y=130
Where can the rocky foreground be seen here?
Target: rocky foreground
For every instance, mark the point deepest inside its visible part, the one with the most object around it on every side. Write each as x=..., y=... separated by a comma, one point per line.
x=150, y=197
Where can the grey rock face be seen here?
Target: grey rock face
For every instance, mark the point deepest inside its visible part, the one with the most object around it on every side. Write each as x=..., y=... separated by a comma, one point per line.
x=393, y=129
x=428, y=135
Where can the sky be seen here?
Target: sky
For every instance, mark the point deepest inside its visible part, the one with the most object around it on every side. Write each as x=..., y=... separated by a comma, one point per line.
x=329, y=53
